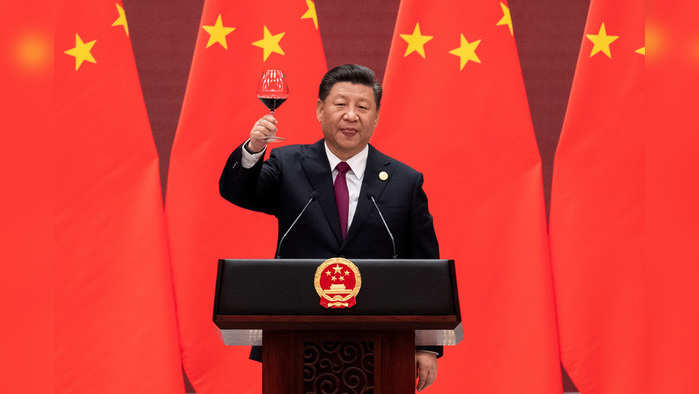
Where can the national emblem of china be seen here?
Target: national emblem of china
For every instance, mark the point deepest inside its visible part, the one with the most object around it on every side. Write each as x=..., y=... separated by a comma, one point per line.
x=337, y=282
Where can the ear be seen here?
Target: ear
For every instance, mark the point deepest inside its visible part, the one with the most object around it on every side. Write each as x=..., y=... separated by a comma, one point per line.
x=319, y=109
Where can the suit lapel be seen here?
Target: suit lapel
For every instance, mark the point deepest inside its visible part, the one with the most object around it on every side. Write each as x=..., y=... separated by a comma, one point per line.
x=315, y=165
x=371, y=185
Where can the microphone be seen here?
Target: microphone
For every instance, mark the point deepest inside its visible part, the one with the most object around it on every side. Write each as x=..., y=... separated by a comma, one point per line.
x=393, y=241
x=314, y=195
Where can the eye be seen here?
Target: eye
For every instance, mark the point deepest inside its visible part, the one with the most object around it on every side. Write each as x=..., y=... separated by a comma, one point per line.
x=339, y=104
x=364, y=107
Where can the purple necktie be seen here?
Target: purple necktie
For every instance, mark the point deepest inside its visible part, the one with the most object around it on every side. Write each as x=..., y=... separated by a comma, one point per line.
x=342, y=195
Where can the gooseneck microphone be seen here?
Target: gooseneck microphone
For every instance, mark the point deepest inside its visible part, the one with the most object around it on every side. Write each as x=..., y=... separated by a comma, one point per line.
x=388, y=230
x=314, y=195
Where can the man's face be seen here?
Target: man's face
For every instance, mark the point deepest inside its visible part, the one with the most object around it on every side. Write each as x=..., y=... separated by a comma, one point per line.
x=348, y=117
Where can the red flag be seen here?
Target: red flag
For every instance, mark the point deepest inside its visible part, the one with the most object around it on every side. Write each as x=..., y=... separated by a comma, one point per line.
x=597, y=203
x=672, y=213
x=26, y=207
x=115, y=329
x=455, y=108
x=237, y=41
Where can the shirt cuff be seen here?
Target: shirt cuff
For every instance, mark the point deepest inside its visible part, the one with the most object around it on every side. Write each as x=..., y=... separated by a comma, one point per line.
x=250, y=159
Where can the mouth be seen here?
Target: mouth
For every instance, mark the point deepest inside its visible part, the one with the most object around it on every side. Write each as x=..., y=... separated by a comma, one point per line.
x=348, y=131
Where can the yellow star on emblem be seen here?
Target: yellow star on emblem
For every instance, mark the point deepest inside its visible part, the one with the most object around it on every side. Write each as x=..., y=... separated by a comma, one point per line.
x=311, y=13
x=601, y=42
x=416, y=41
x=506, y=18
x=338, y=269
x=641, y=51
x=81, y=51
x=218, y=33
x=121, y=20
x=466, y=51
x=270, y=43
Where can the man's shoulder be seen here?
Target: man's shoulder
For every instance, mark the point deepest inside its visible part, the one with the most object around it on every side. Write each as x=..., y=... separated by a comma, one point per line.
x=293, y=151
x=396, y=165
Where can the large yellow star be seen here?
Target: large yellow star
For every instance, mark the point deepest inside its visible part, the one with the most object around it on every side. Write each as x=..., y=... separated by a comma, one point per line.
x=218, y=33
x=81, y=51
x=466, y=51
x=121, y=20
x=506, y=18
x=601, y=42
x=416, y=41
x=270, y=43
x=311, y=13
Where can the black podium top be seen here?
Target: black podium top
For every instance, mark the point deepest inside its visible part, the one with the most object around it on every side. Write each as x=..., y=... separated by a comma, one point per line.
x=421, y=290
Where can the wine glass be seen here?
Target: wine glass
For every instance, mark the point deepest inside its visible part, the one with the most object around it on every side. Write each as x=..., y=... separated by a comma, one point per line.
x=273, y=91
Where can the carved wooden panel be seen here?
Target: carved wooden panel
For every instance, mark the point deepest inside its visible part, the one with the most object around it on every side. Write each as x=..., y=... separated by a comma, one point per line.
x=340, y=367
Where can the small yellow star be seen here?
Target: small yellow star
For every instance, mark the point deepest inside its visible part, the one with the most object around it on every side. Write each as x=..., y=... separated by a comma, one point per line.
x=311, y=13
x=270, y=43
x=81, y=51
x=218, y=33
x=346, y=273
x=466, y=51
x=121, y=20
x=601, y=42
x=327, y=273
x=506, y=18
x=341, y=278
x=416, y=41
x=338, y=269
x=334, y=278
x=641, y=51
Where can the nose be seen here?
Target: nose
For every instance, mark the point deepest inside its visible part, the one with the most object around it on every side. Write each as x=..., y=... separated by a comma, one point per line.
x=350, y=115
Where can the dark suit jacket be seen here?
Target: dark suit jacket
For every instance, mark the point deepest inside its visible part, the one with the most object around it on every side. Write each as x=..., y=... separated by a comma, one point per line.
x=283, y=184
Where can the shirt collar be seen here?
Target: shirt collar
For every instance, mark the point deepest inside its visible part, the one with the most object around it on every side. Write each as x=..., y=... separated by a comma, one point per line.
x=357, y=162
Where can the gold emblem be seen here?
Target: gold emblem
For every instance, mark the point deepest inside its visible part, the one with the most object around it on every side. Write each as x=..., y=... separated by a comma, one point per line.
x=337, y=282
x=383, y=175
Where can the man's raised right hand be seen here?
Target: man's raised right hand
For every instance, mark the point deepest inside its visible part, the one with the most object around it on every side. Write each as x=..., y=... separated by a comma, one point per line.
x=264, y=129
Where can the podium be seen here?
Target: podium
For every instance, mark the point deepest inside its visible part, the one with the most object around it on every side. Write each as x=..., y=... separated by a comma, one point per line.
x=310, y=348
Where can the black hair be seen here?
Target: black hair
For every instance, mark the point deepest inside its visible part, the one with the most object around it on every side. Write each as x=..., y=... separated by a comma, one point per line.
x=352, y=73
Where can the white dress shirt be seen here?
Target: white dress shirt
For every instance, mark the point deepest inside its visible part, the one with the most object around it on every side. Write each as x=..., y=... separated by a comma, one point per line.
x=354, y=176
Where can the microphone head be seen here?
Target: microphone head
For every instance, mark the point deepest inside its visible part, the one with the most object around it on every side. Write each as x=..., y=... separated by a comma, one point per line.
x=370, y=196
x=314, y=195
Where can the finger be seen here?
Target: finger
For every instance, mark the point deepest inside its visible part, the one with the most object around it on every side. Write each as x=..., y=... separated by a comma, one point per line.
x=422, y=378
x=267, y=124
x=431, y=375
x=269, y=118
x=259, y=134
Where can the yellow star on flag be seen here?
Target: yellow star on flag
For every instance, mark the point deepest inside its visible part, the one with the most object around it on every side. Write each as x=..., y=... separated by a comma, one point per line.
x=81, y=51
x=416, y=41
x=506, y=18
x=218, y=33
x=601, y=42
x=641, y=51
x=121, y=20
x=466, y=51
x=311, y=13
x=270, y=43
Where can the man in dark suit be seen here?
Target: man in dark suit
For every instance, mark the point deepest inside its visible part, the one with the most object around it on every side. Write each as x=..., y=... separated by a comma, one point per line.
x=338, y=180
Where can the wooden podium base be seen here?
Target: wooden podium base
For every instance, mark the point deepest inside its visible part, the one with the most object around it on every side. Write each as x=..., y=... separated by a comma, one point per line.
x=317, y=362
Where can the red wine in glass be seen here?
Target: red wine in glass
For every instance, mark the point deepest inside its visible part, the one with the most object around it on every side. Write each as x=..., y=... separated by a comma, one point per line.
x=273, y=92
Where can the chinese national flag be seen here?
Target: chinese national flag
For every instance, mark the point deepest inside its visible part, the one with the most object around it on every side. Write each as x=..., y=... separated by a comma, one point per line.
x=114, y=316
x=672, y=209
x=455, y=108
x=237, y=41
x=597, y=210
